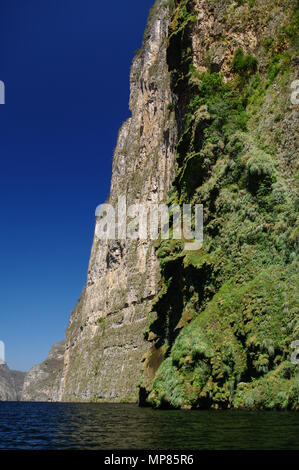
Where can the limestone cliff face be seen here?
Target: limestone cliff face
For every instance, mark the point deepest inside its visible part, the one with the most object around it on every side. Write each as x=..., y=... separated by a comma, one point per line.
x=43, y=380
x=104, y=340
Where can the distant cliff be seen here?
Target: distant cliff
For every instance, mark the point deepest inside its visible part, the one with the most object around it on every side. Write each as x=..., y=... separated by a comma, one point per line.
x=11, y=383
x=213, y=123
x=42, y=382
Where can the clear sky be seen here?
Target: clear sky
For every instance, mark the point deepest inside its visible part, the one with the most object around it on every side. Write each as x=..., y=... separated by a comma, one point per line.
x=65, y=65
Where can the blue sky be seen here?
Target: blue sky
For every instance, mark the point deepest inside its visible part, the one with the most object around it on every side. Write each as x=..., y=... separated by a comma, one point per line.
x=65, y=64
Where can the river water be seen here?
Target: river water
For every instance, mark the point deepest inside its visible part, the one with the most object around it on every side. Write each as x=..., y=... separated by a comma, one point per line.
x=120, y=426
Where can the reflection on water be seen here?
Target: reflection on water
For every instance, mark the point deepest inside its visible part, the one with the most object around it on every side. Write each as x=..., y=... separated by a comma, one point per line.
x=105, y=426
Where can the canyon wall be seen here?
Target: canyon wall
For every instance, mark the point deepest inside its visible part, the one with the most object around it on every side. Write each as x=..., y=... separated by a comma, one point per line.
x=213, y=119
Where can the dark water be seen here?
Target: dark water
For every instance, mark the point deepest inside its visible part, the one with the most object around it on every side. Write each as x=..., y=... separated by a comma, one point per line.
x=101, y=426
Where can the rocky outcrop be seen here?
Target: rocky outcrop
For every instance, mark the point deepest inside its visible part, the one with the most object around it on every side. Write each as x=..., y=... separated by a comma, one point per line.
x=11, y=383
x=43, y=380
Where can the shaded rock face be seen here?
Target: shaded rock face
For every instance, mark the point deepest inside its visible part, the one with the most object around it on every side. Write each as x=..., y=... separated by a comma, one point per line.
x=43, y=380
x=104, y=340
x=11, y=383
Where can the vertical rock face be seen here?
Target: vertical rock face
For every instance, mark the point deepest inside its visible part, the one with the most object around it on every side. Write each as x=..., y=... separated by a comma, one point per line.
x=43, y=380
x=104, y=340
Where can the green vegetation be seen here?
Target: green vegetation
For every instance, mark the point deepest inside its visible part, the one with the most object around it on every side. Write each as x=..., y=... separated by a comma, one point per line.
x=181, y=18
x=243, y=64
x=138, y=52
x=101, y=322
x=226, y=315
